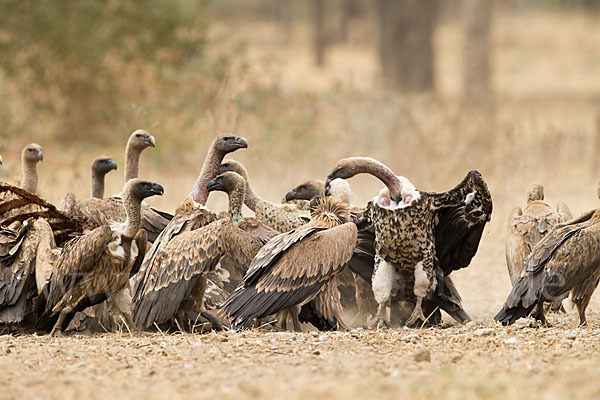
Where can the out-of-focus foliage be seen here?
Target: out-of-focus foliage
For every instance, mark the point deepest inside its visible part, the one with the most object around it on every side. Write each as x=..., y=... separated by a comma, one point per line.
x=70, y=57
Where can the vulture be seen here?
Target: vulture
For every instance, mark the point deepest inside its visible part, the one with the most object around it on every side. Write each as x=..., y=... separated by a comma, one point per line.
x=180, y=267
x=358, y=275
x=282, y=218
x=527, y=227
x=94, y=266
x=19, y=239
x=100, y=167
x=189, y=216
x=566, y=259
x=296, y=267
x=109, y=210
x=421, y=237
x=30, y=156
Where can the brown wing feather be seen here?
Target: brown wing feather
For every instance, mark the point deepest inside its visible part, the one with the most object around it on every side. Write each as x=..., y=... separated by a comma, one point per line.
x=515, y=251
x=291, y=269
x=141, y=240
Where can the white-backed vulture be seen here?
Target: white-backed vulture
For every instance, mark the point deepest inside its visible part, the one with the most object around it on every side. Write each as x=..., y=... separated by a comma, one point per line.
x=183, y=264
x=30, y=156
x=566, y=259
x=296, y=267
x=190, y=214
x=527, y=227
x=421, y=237
x=111, y=209
x=278, y=216
x=92, y=267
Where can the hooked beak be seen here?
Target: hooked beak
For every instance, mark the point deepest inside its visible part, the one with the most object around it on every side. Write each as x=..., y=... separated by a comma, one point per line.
x=157, y=189
x=112, y=164
x=242, y=142
x=40, y=155
x=212, y=185
x=151, y=141
x=290, y=195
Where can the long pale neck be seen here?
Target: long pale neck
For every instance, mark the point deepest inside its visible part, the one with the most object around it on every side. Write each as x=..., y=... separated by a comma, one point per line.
x=133, y=208
x=208, y=172
x=236, y=200
x=97, y=185
x=132, y=162
x=383, y=173
x=30, y=176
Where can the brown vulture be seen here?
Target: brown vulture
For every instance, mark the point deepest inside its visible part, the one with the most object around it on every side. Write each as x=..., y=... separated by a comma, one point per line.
x=296, y=267
x=180, y=268
x=94, y=266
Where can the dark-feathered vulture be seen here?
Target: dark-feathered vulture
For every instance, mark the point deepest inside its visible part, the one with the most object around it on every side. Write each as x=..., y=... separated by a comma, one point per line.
x=183, y=264
x=296, y=267
x=421, y=237
x=527, y=227
x=566, y=259
x=111, y=210
x=190, y=215
x=92, y=267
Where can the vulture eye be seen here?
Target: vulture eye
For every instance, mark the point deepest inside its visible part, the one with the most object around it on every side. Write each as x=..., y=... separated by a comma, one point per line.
x=30, y=150
x=139, y=135
x=302, y=187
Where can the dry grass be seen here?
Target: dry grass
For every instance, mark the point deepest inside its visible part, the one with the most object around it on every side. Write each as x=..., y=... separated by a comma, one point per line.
x=299, y=120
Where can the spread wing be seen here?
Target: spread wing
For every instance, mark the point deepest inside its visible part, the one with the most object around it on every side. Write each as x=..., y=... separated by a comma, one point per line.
x=291, y=269
x=18, y=245
x=78, y=258
x=165, y=283
x=460, y=226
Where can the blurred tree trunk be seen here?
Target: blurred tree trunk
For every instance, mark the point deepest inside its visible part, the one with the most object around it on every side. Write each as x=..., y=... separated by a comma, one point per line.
x=406, y=29
x=319, y=33
x=477, y=72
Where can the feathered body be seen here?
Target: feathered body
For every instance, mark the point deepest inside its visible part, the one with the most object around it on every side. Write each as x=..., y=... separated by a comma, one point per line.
x=567, y=258
x=177, y=279
x=296, y=267
x=421, y=237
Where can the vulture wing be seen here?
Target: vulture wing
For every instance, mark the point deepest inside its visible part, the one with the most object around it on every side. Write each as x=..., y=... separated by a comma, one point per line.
x=516, y=252
x=291, y=269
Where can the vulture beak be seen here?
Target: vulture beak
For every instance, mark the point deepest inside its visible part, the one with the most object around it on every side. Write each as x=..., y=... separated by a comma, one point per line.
x=157, y=189
x=241, y=142
x=151, y=141
x=327, y=192
x=40, y=155
x=290, y=195
x=112, y=164
x=213, y=185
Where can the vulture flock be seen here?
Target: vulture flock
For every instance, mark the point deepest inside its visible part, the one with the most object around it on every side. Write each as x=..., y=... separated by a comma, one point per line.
x=116, y=262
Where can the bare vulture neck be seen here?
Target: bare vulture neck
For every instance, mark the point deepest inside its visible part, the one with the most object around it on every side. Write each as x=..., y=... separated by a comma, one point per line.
x=30, y=176
x=209, y=171
x=382, y=172
x=133, y=208
x=97, y=184
x=132, y=161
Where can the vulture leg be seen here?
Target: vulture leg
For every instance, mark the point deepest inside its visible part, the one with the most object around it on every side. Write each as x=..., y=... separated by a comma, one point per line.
x=384, y=285
x=380, y=321
x=582, y=303
x=216, y=322
x=538, y=314
x=581, y=295
x=294, y=311
x=417, y=314
x=57, y=329
x=282, y=318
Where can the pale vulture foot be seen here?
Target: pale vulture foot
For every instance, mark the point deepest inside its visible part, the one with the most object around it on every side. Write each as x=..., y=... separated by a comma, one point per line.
x=57, y=329
x=417, y=314
x=380, y=321
x=216, y=322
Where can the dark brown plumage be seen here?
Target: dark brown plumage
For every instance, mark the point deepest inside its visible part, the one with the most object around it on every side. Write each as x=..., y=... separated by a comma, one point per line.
x=183, y=264
x=94, y=266
x=567, y=258
x=296, y=267
x=421, y=236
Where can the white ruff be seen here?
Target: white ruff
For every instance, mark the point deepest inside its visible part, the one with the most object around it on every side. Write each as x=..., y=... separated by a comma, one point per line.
x=340, y=190
x=115, y=247
x=383, y=282
x=407, y=191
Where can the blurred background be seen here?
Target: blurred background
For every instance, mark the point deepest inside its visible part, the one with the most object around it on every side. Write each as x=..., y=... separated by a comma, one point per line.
x=430, y=88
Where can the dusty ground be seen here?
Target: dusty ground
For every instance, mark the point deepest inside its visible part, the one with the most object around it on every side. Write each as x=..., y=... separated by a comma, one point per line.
x=476, y=361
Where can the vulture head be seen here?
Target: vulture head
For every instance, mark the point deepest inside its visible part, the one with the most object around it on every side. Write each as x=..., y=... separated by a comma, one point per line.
x=306, y=190
x=140, y=139
x=229, y=143
x=32, y=153
x=535, y=192
x=234, y=166
x=103, y=165
x=138, y=189
x=227, y=182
